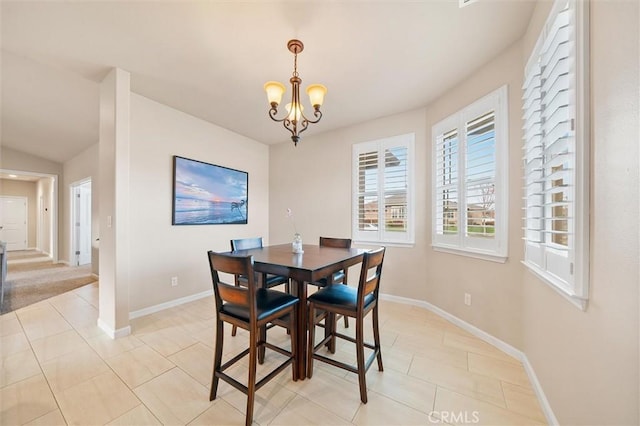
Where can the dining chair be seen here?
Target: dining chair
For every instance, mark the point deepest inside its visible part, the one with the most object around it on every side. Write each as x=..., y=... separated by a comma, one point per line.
x=250, y=307
x=269, y=280
x=355, y=303
x=339, y=277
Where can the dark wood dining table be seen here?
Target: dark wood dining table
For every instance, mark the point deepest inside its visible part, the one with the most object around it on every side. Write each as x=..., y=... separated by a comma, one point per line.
x=314, y=263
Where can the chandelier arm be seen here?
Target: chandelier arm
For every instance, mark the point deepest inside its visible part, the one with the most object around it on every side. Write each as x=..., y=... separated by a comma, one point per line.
x=272, y=114
x=290, y=126
x=317, y=113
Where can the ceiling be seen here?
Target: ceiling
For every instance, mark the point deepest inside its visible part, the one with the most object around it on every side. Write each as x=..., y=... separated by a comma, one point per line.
x=210, y=59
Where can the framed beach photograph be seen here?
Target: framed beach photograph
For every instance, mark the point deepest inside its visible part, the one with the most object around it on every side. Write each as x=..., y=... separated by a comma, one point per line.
x=206, y=194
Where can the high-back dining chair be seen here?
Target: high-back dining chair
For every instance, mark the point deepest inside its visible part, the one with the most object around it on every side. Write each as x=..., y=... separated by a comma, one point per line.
x=336, y=277
x=268, y=280
x=355, y=303
x=250, y=307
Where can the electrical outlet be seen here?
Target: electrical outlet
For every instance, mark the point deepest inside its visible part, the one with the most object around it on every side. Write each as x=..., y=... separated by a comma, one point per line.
x=467, y=299
x=174, y=281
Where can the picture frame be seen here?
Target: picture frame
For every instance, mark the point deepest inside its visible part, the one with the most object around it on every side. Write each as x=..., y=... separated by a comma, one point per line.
x=208, y=194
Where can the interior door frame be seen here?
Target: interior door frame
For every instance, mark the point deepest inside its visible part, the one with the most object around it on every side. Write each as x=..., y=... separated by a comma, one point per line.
x=73, y=259
x=54, y=209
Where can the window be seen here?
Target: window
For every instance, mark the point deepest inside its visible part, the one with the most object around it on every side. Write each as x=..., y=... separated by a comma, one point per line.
x=470, y=155
x=383, y=190
x=555, y=157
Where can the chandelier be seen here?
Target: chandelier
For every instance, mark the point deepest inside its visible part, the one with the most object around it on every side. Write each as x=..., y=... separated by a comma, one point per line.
x=295, y=121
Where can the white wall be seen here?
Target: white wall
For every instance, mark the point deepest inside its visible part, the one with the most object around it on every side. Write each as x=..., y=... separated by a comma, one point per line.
x=588, y=361
x=158, y=249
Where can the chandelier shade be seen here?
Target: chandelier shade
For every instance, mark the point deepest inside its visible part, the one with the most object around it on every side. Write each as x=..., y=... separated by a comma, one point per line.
x=295, y=121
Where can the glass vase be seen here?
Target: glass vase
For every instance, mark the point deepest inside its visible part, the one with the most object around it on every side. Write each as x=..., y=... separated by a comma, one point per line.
x=296, y=244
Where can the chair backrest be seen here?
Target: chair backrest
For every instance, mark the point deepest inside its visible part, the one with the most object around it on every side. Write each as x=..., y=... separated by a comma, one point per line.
x=246, y=243
x=230, y=293
x=370, y=275
x=335, y=242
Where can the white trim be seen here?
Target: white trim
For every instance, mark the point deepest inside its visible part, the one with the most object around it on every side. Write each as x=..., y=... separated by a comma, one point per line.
x=470, y=253
x=492, y=340
x=578, y=302
x=170, y=304
x=114, y=334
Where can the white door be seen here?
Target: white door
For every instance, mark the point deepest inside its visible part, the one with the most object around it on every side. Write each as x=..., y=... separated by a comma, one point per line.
x=13, y=222
x=82, y=223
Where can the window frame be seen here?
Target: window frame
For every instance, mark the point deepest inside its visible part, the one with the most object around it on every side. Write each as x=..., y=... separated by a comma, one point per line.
x=459, y=243
x=381, y=236
x=576, y=288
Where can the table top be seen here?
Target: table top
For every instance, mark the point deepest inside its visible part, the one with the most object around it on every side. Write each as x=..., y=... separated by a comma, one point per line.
x=316, y=261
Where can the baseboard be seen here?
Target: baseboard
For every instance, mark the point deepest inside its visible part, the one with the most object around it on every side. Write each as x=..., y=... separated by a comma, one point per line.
x=95, y=276
x=170, y=304
x=492, y=340
x=114, y=334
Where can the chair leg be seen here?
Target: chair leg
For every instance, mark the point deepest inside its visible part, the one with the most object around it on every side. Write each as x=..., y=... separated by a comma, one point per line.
x=376, y=337
x=293, y=331
x=251, y=382
x=360, y=359
x=217, y=360
x=312, y=336
x=234, y=329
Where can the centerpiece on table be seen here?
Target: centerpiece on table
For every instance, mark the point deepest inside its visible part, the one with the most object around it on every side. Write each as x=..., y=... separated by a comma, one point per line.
x=296, y=244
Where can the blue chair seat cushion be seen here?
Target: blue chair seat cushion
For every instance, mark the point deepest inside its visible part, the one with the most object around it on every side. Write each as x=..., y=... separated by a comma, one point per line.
x=268, y=302
x=338, y=277
x=341, y=295
x=272, y=280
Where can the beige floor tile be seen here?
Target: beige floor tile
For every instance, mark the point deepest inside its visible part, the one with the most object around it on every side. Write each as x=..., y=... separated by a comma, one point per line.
x=25, y=401
x=13, y=343
x=53, y=418
x=139, y=365
x=18, y=366
x=397, y=360
x=168, y=341
x=417, y=394
x=107, y=347
x=522, y=400
x=174, y=397
x=301, y=411
x=139, y=416
x=9, y=324
x=57, y=345
x=503, y=370
x=80, y=315
x=97, y=400
x=69, y=370
x=220, y=413
x=473, y=344
x=331, y=392
x=433, y=350
x=196, y=361
x=455, y=408
x=41, y=321
x=381, y=410
x=458, y=379
x=89, y=293
x=269, y=399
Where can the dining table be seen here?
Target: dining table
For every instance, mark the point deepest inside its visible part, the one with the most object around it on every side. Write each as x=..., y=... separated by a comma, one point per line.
x=313, y=263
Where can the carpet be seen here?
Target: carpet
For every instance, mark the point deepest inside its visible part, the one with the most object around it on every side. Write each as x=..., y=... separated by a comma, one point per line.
x=31, y=282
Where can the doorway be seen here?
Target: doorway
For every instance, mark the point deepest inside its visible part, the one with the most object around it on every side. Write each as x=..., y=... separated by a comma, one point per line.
x=81, y=223
x=13, y=222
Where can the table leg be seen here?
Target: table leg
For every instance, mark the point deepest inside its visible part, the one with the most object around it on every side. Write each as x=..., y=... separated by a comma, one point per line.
x=300, y=290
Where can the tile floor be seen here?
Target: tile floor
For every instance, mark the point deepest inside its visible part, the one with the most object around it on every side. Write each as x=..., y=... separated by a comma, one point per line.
x=59, y=368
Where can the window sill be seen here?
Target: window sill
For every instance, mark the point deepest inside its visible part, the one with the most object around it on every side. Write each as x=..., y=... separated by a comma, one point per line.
x=469, y=253
x=384, y=243
x=578, y=302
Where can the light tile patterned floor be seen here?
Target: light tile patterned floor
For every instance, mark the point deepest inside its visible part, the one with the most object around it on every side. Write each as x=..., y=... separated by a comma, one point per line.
x=59, y=368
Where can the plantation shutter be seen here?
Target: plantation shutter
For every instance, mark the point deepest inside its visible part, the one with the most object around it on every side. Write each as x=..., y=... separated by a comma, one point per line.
x=549, y=151
x=382, y=196
x=447, y=212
